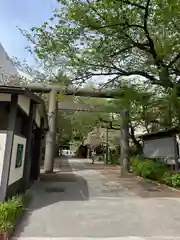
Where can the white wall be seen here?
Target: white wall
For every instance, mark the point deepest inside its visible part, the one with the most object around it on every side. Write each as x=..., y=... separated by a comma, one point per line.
x=16, y=173
x=7, y=69
x=38, y=117
x=160, y=148
x=2, y=151
x=5, y=97
x=178, y=141
x=24, y=103
x=163, y=147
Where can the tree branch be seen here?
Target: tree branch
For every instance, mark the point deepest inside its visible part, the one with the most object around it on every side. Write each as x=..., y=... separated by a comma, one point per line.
x=94, y=9
x=118, y=72
x=89, y=74
x=151, y=43
x=113, y=68
x=143, y=74
x=134, y=4
x=135, y=141
x=120, y=51
x=142, y=46
x=122, y=73
x=113, y=80
x=121, y=24
x=176, y=26
x=177, y=57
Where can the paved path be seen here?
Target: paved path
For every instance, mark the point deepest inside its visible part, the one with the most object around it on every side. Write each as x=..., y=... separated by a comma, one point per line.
x=83, y=204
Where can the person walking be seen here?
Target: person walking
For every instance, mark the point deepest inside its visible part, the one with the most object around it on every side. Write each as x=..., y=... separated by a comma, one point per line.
x=93, y=156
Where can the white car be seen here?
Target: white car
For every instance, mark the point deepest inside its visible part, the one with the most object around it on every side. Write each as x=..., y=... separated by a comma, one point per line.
x=66, y=152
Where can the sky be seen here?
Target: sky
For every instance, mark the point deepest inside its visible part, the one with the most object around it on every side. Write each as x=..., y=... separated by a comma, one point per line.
x=23, y=14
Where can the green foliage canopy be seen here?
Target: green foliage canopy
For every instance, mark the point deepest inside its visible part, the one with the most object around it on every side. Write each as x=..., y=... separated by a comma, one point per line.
x=113, y=38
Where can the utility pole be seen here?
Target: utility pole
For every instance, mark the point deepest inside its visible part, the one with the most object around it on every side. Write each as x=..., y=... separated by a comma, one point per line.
x=124, y=142
x=51, y=134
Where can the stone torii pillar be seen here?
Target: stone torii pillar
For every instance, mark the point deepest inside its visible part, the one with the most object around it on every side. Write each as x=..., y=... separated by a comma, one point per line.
x=51, y=134
x=124, y=142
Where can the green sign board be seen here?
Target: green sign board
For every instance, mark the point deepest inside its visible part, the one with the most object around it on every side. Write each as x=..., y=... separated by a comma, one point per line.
x=19, y=155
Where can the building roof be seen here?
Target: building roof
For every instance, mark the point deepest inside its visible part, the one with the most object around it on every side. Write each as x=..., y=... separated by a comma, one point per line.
x=26, y=92
x=8, y=71
x=159, y=134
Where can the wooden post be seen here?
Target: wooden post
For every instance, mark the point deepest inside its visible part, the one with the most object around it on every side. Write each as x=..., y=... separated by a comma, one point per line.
x=51, y=135
x=124, y=142
x=8, y=148
x=28, y=153
x=176, y=155
x=107, y=145
x=35, y=161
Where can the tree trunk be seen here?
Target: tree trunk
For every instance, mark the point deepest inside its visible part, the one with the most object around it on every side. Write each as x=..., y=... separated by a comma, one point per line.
x=135, y=141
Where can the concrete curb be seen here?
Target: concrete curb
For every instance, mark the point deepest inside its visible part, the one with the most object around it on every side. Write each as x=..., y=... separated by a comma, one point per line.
x=159, y=184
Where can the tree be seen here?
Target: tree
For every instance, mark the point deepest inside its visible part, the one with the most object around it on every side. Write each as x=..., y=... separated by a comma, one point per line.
x=41, y=73
x=74, y=125
x=114, y=38
x=149, y=110
x=84, y=122
x=64, y=130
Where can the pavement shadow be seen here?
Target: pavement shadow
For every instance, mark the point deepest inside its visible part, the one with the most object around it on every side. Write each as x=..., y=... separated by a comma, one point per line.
x=54, y=188
x=51, y=190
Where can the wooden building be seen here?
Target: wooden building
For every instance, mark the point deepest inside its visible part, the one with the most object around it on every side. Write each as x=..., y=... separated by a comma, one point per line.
x=23, y=124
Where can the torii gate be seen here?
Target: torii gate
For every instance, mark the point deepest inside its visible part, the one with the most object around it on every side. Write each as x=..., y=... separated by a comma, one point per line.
x=54, y=107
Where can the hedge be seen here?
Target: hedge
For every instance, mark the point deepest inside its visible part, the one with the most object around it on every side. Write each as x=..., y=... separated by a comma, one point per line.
x=155, y=169
x=149, y=168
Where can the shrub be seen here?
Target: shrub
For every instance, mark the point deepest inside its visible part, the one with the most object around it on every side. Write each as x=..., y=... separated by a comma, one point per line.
x=155, y=169
x=149, y=168
x=137, y=164
x=9, y=211
x=172, y=180
x=114, y=158
x=167, y=178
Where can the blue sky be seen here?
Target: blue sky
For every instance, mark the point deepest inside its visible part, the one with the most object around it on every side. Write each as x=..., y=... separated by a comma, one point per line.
x=24, y=14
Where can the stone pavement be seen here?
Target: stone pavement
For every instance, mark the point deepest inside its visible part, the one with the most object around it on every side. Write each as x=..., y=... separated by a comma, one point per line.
x=80, y=203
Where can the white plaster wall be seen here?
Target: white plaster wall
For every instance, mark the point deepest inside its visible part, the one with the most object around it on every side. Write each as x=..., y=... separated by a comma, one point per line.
x=5, y=97
x=163, y=147
x=16, y=173
x=7, y=69
x=178, y=141
x=2, y=151
x=38, y=117
x=24, y=103
x=160, y=148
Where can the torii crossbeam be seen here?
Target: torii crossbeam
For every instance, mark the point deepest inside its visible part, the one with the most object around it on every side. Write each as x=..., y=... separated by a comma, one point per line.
x=98, y=93
x=83, y=92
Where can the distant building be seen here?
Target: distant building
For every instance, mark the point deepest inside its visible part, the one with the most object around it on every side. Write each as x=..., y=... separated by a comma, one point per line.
x=8, y=72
